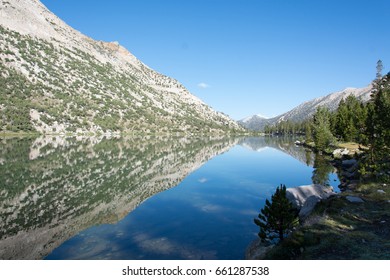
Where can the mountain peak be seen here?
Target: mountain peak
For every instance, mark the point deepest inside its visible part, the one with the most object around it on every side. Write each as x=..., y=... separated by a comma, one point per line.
x=253, y=117
x=262, y=116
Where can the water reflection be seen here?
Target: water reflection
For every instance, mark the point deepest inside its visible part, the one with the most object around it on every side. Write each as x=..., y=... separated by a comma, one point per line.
x=79, y=192
x=322, y=170
x=283, y=144
x=54, y=187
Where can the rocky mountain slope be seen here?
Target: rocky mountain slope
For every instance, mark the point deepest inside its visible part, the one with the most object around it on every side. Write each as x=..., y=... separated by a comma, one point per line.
x=307, y=109
x=56, y=80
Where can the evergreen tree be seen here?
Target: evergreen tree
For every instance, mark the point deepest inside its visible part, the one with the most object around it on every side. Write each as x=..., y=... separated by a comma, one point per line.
x=323, y=136
x=379, y=68
x=370, y=131
x=380, y=116
x=378, y=129
x=277, y=217
x=308, y=131
x=350, y=119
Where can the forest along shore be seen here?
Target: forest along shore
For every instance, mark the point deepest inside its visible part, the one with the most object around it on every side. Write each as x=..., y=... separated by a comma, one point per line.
x=352, y=224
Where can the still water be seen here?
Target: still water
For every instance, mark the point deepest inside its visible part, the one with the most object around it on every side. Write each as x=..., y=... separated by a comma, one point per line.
x=130, y=198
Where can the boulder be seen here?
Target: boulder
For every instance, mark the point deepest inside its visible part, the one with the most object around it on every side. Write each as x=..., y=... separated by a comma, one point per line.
x=354, y=199
x=339, y=153
x=353, y=168
x=305, y=198
x=298, y=196
x=308, y=206
x=348, y=175
x=349, y=162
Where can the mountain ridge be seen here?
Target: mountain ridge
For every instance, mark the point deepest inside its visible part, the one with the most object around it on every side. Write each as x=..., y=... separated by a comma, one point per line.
x=308, y=108
x=59, y=80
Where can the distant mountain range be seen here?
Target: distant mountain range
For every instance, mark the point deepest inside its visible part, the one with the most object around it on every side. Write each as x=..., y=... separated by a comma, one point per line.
x=56, y=80
x=307, y=109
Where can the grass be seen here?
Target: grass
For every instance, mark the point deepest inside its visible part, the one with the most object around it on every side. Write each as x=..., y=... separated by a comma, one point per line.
x=352, y=146
x=339, y=229
x=349, y=145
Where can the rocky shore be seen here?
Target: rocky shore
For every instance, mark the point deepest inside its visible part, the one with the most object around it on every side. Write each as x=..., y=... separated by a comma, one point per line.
x=304, y=199
x=351, y=224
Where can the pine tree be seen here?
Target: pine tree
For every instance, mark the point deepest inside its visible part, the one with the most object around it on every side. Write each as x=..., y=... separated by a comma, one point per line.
x=379, y=68
x=350, y=118
x=378, y=127
x=323, y=136
x=381, y=115
x=308, y=131
x=277, y=217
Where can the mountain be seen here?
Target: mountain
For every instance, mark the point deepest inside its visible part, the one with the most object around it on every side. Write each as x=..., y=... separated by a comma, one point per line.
x=307, y=109
x=254, y=122
x=56, y=80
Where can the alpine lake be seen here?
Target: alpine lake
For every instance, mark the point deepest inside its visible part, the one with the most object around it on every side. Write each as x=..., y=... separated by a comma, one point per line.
x=143, y=198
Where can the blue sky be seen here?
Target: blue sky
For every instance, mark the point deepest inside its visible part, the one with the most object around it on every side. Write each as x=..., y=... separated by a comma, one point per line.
x=249, y=56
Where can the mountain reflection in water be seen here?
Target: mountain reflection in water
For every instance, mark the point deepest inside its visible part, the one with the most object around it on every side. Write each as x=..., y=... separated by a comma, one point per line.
x=78, y=191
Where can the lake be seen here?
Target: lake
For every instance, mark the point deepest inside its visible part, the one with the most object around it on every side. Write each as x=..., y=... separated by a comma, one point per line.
x=143, y=198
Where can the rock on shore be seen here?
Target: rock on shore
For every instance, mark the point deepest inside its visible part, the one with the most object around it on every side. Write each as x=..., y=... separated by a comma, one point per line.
x=304, y=198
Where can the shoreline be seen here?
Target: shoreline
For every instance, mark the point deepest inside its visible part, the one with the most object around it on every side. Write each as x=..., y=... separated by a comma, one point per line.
x=348, y=225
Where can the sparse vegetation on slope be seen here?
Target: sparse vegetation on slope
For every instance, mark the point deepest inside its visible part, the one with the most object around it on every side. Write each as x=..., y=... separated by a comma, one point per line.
x=49, y=87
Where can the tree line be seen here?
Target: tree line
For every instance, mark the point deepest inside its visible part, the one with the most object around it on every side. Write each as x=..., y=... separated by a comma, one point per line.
x=367, y=124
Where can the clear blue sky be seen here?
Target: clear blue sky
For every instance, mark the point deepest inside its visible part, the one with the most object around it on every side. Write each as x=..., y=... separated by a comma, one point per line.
x=245, y=57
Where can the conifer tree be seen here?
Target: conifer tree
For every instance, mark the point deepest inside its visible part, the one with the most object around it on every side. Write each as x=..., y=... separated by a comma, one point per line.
x=308, y=131
x=379, y=68
x=350, y=118
x=277, y=217
x=323, y=136
x=378, y=130
x=379, y=117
